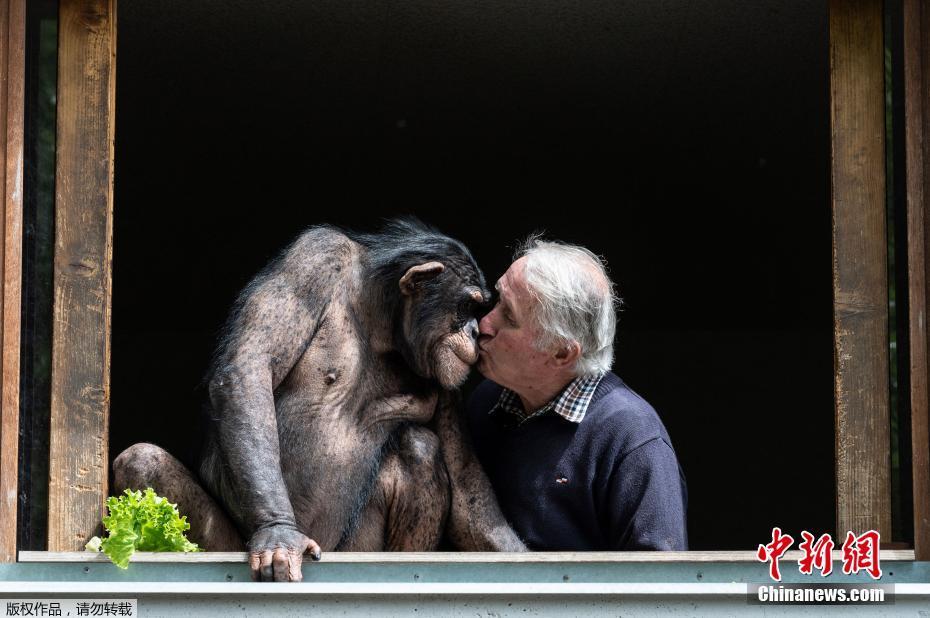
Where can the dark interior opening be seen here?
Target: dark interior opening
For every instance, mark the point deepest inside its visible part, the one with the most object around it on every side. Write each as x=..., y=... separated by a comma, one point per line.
x=38, y=245
x=686, y=142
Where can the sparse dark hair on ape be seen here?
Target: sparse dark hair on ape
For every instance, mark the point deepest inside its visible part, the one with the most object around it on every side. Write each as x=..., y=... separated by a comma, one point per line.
x=405, y=242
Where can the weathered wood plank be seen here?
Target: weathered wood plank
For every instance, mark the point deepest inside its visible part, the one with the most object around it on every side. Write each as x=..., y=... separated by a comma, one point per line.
x=917, y=159
x=458, y=557
x=860, y=283
x=12, y=93
x=83, y=255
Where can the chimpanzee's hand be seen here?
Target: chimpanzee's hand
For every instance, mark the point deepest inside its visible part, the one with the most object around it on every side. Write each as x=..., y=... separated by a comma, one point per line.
x=276, y=553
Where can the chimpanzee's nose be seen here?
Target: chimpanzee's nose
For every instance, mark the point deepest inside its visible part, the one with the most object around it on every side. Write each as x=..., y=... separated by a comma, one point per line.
x=472, y=329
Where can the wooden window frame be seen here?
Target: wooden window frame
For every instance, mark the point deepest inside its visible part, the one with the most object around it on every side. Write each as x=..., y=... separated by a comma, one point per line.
x=860, y=267
x=12, y=102
x=917, y=169
x=83, y=274
x=80, y=397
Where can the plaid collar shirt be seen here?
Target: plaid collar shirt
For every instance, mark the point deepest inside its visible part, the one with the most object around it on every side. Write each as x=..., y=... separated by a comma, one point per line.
x=571, y=404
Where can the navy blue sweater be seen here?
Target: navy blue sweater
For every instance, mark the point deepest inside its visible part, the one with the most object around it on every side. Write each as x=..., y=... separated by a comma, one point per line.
x=611, y=482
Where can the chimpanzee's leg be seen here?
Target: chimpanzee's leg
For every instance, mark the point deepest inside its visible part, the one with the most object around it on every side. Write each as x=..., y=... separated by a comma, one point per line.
x=409, y=504
x=146, y=465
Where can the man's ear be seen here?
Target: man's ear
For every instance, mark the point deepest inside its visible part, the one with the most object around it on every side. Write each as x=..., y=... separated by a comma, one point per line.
x=567, y=354
x=418, y=274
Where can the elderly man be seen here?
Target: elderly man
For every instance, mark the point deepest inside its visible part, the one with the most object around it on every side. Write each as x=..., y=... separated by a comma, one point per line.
x=578, y=461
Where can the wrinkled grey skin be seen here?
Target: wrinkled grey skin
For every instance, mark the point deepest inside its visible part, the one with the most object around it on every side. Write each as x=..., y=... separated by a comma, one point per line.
x=334, y=420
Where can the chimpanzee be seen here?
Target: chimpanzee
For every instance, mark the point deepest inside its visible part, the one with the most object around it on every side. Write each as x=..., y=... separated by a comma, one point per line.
x=332, y=407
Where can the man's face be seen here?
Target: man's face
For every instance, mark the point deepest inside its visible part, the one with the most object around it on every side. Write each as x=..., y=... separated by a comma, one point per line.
x=508, y=335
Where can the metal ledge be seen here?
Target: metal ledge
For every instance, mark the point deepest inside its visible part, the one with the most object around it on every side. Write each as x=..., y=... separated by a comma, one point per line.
x=369, y=589
x=458, y=557
x=446, y=584
x=119, y=589
x=602, y=568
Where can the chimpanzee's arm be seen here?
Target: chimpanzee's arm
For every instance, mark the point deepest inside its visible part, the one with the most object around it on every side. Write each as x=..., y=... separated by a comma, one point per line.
x=271, y=326
x=476, y=522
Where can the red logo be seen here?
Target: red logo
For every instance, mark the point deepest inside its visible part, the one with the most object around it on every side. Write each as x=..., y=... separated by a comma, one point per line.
x=817, y=555
x=774, y=551
x=860, y=553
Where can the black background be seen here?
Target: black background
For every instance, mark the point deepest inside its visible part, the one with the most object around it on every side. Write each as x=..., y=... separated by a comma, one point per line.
x=687, y=142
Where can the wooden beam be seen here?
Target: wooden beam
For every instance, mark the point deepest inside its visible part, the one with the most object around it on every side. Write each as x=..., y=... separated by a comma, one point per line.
x=12, y=98
x=83, y=254
x=917, y=160
x=860, y=275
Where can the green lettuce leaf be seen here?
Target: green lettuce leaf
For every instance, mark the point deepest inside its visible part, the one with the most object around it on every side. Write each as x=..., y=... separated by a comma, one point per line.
x=143, y=521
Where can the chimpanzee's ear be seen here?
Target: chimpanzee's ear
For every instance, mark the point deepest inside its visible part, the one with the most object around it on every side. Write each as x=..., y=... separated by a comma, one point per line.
x=418, y=274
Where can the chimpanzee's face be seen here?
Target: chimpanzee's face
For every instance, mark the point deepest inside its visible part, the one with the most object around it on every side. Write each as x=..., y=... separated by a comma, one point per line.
x=441, y=316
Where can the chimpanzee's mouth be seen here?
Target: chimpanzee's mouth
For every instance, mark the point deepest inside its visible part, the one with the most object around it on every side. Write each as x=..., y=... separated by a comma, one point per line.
x=468, y=359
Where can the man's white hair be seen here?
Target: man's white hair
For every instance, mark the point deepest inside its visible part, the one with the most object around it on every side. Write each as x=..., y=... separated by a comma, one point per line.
x=577, y=301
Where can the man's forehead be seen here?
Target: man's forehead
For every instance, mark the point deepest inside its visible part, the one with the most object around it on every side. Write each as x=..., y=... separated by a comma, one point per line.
x=504, y=285
x=502, y=293
x=511, y=285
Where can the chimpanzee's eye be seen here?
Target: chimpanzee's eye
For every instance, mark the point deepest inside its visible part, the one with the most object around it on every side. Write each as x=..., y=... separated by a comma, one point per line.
x=482, y=309
x=466, y=310
x=469, y=307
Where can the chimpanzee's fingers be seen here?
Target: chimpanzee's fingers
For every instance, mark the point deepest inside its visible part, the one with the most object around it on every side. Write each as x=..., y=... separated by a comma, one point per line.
x=313, y=549
x=254, y=563
x=280, y=564
x=294, y=563
x=265, y=566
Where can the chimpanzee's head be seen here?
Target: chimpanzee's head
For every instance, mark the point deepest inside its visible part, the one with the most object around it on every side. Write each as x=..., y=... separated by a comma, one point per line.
x=438, y=293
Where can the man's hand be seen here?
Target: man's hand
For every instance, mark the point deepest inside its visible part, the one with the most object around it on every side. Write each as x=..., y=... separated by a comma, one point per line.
x=276, y=554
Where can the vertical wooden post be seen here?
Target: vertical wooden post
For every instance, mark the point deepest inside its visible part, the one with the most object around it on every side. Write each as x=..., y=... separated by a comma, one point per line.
x=83, y=253
x=12, y=93
x=917, y=165
x=860, y=254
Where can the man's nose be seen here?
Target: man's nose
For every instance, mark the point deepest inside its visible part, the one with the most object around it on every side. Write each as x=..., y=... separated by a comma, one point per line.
x=486, y=326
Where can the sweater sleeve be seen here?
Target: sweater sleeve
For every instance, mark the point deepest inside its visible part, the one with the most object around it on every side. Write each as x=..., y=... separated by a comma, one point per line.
x=646, y=500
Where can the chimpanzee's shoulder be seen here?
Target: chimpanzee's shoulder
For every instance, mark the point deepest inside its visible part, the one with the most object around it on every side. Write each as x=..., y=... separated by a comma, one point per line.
x=319, y=250
x=325, y=238
x=320, y=258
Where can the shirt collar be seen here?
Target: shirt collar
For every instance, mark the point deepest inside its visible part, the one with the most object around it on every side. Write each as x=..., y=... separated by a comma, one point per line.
x=571, y=404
